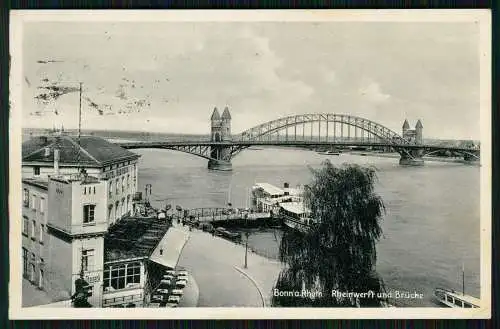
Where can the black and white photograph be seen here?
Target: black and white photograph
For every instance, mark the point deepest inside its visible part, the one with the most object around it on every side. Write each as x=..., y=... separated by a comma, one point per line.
x=250, y=164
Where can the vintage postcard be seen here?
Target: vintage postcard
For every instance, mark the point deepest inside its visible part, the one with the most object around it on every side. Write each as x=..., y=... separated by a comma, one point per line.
x=250, y=164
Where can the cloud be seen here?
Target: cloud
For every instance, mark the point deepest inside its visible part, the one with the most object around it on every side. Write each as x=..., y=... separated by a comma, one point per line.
x=372, y=93
x=263, y=71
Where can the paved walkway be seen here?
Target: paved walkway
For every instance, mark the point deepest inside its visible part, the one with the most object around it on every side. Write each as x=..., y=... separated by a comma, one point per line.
x=217, y=264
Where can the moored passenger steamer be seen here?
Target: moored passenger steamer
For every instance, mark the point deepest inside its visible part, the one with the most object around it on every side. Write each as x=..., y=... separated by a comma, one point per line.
x=455, y=299
x=296, y=216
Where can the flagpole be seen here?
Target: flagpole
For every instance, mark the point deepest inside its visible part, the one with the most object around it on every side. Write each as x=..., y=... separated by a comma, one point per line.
x=463, y=279
x=80, y=115
x=79, y=126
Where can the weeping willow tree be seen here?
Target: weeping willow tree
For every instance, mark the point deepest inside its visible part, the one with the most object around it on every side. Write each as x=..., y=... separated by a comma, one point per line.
x=338, y=252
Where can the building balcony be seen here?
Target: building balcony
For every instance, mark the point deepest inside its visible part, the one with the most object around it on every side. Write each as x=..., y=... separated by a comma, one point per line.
x=92, y=228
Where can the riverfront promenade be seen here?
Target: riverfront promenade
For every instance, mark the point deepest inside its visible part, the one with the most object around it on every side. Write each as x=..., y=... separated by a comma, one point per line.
x=217, y=265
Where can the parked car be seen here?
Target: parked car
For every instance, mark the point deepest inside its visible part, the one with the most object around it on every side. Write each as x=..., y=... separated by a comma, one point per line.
x=174, y=299
x=163, y=288
x=158, y=298
x=181, y=283
x=168, y=277
x=154, y=305
x=177, y=292
x=182, y=273
x=169, y=272
x=182, y=278
x=166, y=281
x=220, y=231
x=171, y=305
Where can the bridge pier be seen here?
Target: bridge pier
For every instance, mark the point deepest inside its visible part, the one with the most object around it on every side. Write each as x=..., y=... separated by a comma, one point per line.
x=411, y=158
x=220, y=165
x=470, y=159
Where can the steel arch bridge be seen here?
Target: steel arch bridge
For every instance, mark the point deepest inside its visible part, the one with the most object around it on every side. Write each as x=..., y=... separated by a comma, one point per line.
x=337, y=131
x=306, y=130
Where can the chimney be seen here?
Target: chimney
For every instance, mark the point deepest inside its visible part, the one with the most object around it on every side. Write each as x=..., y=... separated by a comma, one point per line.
x=56, y=161
x=83, y=175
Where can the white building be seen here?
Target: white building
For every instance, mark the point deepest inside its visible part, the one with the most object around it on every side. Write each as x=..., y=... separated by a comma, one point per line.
x=100, y=159
x=77, y=221
x=64, y=222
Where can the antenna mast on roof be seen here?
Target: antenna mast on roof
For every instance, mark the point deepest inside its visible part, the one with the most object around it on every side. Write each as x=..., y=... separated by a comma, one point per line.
x=79, y=129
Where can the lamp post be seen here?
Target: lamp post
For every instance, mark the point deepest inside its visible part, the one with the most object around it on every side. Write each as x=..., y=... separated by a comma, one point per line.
x=148, y=191
x=179, y=210
x=246, y=240
x=167, y=208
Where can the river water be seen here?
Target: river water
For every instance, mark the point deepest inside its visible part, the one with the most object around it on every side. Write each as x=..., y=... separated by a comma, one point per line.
x=430, y=229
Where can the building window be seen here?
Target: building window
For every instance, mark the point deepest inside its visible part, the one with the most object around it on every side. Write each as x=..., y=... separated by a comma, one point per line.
x=42, y=205
x=121, y=276
x=88, y=259
x=42, y=232
x=123, y=184
x=32, y=201
x=94, y=190
x=88, y=213
x=110, y=212
x=117, y=183
x=33, y=229
x=128, y=181
x=32, y=274
x=25, y=262
x=40, y=279
x=117, y=210
x=110, y=188
x=26, y=197
x=84, y=190
x=26, y=223
x=36, y=171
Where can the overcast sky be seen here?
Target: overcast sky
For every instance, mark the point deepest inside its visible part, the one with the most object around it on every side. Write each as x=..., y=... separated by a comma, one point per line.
x=167, y=77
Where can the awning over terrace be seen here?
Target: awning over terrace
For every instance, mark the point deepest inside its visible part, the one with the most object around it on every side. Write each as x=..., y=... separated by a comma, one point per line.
x=169, y=249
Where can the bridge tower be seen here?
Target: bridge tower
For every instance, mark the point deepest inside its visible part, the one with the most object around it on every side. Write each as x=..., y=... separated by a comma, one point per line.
x=418, y=133
x=412, y=157
x=406, y=127
x=220, y=132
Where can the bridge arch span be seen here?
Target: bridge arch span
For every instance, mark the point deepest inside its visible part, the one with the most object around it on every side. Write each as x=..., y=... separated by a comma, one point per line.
x=263, y=131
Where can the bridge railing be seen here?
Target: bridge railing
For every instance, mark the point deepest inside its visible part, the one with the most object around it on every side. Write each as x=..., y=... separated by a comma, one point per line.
x=215, y=213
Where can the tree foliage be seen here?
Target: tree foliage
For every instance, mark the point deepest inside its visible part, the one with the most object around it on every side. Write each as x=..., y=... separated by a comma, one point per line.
x=338, y=252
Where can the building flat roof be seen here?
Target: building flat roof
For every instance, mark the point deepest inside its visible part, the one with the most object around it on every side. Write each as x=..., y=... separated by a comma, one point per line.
x=43, y=184
x=270, y=189
x=133, y=238
x=169, y=249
